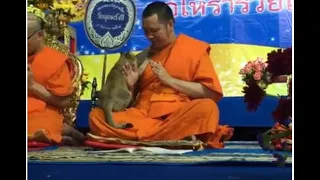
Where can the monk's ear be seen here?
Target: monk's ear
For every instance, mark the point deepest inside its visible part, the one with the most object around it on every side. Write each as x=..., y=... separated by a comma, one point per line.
x=40, y=34
x=170, y=25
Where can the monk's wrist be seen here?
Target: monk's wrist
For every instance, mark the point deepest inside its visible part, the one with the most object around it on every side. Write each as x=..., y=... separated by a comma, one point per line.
x=172, y=82
x=130, y=87
x=32, y=86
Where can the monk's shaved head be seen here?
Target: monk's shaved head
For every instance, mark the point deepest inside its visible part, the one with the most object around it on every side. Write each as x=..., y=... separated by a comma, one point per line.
x=34, y=23
x=35, y=34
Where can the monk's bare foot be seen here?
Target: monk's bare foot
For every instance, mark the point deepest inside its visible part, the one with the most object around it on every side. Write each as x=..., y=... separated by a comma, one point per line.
x=40, y=136
x=228, y=135
x=190, y=138
x=70, y=132
x=67, y=141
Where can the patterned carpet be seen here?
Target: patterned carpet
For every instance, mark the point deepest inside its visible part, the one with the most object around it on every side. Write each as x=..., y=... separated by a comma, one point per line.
x=233, y=152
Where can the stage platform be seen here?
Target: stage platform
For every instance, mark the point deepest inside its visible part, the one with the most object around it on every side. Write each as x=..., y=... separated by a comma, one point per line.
x=233, y=112
x=238, y=160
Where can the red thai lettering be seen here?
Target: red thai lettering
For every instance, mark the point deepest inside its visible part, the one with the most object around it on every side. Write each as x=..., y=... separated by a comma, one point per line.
x=289, y=5
x=184, y=11
x=198, y=7
x=274, y=5
x=245, y=5
x=216, y=4
x=260, y=7
x=231, y=5
x=174, y=7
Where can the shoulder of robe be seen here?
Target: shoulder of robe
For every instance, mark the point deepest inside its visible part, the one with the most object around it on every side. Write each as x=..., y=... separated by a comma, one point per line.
x=192, y=48
x=193, y=44
x=55, y=54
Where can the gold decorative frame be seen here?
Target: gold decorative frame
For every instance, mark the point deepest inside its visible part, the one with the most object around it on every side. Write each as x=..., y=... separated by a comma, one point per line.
x=70, y=38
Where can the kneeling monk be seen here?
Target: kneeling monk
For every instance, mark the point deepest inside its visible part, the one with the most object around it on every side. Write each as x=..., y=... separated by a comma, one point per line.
x=49, y=85
x=179, y=89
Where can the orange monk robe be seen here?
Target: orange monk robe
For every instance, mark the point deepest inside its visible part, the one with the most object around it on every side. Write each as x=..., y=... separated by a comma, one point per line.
x=162, y=113
x=50, y=69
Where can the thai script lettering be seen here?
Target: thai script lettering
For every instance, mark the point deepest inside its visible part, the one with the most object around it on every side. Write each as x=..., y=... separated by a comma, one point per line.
x=187, y=8
x=101, y=26
x=111, y=6
x=107, y=17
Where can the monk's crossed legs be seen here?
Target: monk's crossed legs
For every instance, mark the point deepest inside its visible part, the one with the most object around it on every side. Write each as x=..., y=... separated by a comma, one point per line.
x=197, y=117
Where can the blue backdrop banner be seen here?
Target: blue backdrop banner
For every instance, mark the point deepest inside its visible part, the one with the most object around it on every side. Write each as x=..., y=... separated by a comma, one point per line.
x=237, y=30
x=254, y=22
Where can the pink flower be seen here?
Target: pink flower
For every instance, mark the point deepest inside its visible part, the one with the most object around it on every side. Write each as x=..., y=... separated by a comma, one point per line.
x=258, y=67
x=257, y=75
x=249, y=65
x=246, y=70
x=259, y=59
x=265, y=65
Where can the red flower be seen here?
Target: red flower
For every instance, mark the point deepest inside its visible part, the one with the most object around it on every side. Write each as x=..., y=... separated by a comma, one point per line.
x=274, y=142
x=253, y=95
x=280, y=62
x=278, y=147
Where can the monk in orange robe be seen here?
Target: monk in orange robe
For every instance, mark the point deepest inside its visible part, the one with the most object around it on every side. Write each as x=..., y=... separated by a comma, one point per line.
x=49, y=87
x=179, y=89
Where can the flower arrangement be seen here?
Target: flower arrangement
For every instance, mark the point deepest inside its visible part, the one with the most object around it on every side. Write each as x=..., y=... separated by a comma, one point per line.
x=283, y=112
x=279, y=138
x=256, y=77
x=65, y=9
x=85, y=81
x=280, y=62
x=280, y=70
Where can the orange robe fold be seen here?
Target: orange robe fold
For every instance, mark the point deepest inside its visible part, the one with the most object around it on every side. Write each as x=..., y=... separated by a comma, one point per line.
x=162, y=113
x=50, y=69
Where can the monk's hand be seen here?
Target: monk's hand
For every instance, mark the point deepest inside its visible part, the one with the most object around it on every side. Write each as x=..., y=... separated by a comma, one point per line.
x=161, y=73
x=131, y=74
x=31, y=80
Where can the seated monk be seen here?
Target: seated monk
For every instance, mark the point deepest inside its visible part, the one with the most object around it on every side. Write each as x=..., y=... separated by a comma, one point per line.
x=179, y=89
x=49, y=85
